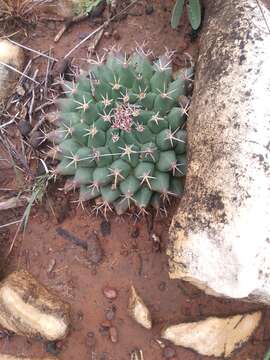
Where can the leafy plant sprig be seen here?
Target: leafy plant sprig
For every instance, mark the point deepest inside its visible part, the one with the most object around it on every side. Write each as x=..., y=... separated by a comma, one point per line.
x=194, y=13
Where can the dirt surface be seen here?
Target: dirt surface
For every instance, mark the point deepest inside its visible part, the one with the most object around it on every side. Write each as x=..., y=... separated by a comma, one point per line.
x=129, y=253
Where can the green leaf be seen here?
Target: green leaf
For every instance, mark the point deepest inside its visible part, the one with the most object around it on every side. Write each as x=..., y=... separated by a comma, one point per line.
x=177, y=13
x=194, y=13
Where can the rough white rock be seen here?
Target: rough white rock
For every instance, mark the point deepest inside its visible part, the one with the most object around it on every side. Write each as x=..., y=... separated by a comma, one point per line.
x=214, y=336
x=220, y=237
x=138, y=310
x=27, y=308
x=11, y=55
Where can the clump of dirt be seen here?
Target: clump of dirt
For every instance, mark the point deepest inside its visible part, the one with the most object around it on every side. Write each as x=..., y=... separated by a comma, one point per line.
x=126, y=250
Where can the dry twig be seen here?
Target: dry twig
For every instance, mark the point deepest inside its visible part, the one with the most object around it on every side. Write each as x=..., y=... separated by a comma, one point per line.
x=19, y=72
x=32, y=50
x=99, y=28
x=68, y=24
x=14, y=202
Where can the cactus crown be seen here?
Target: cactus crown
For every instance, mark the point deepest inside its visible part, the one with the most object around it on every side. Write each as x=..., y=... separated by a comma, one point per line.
x=120, y=136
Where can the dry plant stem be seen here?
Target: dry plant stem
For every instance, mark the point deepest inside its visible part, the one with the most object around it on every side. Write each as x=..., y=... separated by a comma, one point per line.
x=15, y=155
x=9, y=36
x=42, y=106
x=31, y=106
x=263, y=15
x=32, y=50
x=19, y=72
x=96, y=41
x=27, y=68
x=48, y=68
x=38, y=124
x=14, y=202
x=99, y=28
x=83, y=41
x=23, y=149
x=68, y=24
x=9, y=122
x=13, y=240
x=9, y=224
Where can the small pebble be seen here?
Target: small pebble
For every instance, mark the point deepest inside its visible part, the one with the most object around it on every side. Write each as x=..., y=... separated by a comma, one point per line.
x=94, y=271
x=52, y=348
x=113, y=334
x=168, y=352
x=107, y=34
x=149, y=9
x=110, y=293
x=94, y=249
x=103, y=356
x=61, y=67
x=90, y=340
x=80, y=315
x=83, y=35
x=104, y=329
x=5, y=334
x=51, y=25
x=51, y=265
x=20, y=90
x=24, y=127
x=110, y=313
x=60, y=344
x=51, y=275
x=105, y=228
x=162, y=286
x=135, y=233
x=116, y=35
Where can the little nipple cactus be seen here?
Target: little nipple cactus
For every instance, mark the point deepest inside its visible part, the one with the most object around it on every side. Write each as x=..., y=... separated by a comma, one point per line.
x=121, y=134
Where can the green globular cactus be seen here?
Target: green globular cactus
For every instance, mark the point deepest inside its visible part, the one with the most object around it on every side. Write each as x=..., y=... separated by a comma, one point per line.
x=121, y=135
